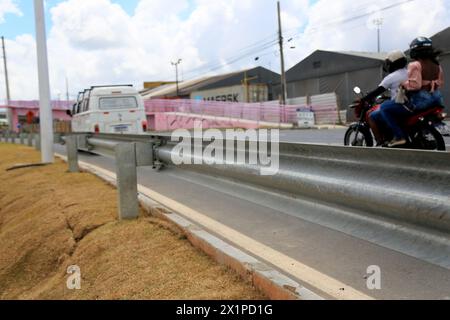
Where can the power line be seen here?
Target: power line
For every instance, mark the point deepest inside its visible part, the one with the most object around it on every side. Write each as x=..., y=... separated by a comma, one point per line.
x=354, y=9
x=247, y=50
x=260, y=46
x=319, y=28
x=210, y=68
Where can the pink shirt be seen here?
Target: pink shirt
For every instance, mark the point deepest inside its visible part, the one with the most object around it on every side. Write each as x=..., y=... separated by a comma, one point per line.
x=415, y=81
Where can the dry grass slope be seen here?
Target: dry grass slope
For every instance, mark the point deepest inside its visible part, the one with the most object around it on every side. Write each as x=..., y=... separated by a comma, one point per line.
x=50, y=219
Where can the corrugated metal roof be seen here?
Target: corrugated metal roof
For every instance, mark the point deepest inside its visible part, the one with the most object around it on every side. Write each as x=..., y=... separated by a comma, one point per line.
x=442, y=40
x=186, y=87
x=323, y=63
x=369, y=55
x=169, y=89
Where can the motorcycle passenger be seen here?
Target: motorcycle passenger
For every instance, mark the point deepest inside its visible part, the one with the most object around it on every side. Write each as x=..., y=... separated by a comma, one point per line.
x=425, y=77
x=395, y=66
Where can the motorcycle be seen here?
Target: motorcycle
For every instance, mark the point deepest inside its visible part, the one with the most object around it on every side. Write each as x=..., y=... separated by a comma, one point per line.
x=420, y=128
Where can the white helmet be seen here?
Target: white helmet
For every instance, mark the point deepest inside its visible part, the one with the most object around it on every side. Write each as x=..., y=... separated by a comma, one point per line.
x=396, y=55
x=395, y=60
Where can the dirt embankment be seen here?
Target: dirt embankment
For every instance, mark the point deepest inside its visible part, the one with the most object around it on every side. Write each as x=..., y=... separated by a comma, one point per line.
x=50, y=220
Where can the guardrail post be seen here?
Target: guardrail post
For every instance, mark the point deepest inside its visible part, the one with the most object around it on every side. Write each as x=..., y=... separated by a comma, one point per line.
x=72, y=153
x=126, y=172
x=83, y=141
x=30, y=139
x=37, y=142
x=144, y=154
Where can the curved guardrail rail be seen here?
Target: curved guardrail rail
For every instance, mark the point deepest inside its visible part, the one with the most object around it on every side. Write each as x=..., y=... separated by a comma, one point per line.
x=411, y=186
x=407, y=185
x=398, y=199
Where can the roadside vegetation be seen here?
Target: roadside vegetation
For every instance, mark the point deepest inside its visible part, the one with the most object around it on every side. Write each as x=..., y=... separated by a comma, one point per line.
x=50, y=220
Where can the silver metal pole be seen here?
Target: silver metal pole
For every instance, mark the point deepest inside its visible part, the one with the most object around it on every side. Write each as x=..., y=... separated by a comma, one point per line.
x=8, y=93
x=176, y=71
x=378, y=23
x=46, y=117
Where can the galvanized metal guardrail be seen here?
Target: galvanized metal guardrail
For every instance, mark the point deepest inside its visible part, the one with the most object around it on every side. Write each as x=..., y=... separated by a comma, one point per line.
x=130, y=152
x=411, y=187
x=407, y=185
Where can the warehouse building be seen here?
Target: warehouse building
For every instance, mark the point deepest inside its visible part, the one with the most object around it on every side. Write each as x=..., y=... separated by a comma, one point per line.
x=251, y=85
x=335, y=72
x=325, y=72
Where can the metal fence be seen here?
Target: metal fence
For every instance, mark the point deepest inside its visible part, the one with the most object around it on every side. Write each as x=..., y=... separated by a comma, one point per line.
x=257, y=112
x=324, y=107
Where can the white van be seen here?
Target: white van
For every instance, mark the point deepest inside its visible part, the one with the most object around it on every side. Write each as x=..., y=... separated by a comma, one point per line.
x=109, y=109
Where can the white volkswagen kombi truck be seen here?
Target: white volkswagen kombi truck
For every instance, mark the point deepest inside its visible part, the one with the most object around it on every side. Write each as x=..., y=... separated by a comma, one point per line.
x=109, y=109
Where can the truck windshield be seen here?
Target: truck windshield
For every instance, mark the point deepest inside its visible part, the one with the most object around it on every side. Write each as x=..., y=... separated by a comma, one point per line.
x=116, y=103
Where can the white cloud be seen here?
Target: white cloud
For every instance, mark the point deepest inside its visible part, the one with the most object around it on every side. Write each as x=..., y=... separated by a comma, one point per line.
x=8, y=6
x=97, y=42
x=400, y=25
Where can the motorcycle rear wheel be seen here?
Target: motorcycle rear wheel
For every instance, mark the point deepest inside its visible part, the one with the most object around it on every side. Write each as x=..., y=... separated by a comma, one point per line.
x=358, y=136
x=428, y=138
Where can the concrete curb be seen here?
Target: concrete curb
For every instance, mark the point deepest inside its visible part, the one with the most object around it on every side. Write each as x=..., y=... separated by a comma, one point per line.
x=319, y=127
x=265, y=278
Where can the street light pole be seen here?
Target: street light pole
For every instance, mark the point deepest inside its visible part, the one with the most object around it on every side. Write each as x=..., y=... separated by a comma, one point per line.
x=378, y=23
x=176, y=75
x=5, y=64
x=45, y=110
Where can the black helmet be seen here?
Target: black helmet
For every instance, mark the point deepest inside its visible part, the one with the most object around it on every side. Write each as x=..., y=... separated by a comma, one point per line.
x=421, y=46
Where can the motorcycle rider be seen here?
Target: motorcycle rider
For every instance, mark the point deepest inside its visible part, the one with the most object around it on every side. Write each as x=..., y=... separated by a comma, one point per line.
x=425, y=77
x=395, y=66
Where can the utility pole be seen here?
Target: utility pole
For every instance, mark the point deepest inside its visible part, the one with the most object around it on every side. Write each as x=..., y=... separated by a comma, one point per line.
x=45, y=109
x=8, y=94
x=176, y=74
x=283, y=73
x=378, y=23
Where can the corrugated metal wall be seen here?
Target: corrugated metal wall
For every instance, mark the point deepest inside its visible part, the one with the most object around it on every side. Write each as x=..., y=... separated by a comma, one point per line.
x=239, y=93
x=325, y=108
x=341, y=84
x=301, y=101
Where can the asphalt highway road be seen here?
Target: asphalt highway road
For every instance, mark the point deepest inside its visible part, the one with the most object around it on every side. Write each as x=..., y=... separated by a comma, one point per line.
x=327, y=136
x=333, y=136
x=277, y=221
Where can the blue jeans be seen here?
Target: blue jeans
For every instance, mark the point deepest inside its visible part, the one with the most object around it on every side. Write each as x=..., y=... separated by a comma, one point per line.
x=422, y=100
x=376, y=116
x=393, y=113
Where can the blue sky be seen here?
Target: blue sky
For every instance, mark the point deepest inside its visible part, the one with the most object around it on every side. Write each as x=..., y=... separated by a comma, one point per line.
x=16, y=25
x=105, y=47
